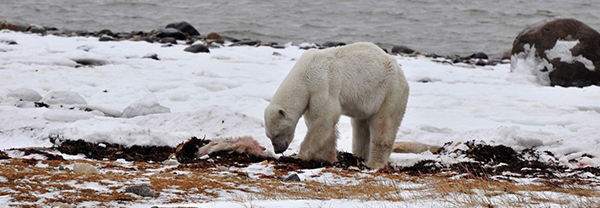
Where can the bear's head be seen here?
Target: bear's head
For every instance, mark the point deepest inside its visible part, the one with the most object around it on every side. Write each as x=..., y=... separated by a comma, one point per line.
x=279, y=127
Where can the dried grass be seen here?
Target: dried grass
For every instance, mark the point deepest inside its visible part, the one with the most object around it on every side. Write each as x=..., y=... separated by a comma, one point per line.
x=26, y=182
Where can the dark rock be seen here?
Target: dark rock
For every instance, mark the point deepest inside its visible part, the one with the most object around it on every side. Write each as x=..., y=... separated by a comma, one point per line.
x=479, y=55
x=104, y=32
x=481, y=62
x=330, y=44
x=293, y=177
x=105, y=38
x=171, y=32
x=198, y=48
x=505, y=55
x=168, y=40
x=50, y=28
x=246, y=43
x=141, y=190
x=455, y=59
x=151, y=56
x=567, y=50
x=9, y=42
x=185, y=28
x=214, y=36
x=402, y=50
x=230, y=39
x=123, y=35
x=36, y=29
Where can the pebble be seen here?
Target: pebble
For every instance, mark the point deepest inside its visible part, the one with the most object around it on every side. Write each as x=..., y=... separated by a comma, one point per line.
x=198, y=48
x=84, y=168
x=141, y=190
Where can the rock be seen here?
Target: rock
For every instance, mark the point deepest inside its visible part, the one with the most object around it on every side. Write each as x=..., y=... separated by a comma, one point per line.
x=60, y=205
x=170, y=40
x=505, y=55
x=8, y=26
x=152, y=56
x=84, y=168
x=171, y=32
x=106, y=38
x=104, y=32
x=402, y=50
x=141, y=190
x=9, y=42
x=246, y=43
x=198, y=48
x=36, y=29
x=184, y=27
x=25, y=94
x=330, y=44
x=479, y=55
x=414, y=147
x=214, y=36
x=123, y=35
x=231, y=39
x=63, y=97
x=293, y=177
x=564, y=52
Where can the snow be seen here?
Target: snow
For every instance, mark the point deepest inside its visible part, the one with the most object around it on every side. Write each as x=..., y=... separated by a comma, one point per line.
x=126, y=99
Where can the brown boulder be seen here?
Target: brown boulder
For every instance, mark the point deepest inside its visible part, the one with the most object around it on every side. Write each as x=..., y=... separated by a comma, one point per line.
x=564, y=52
x=214, y=36
x=6, y=25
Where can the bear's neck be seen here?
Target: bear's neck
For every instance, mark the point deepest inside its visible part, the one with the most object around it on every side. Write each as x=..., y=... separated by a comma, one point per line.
x=294, y=99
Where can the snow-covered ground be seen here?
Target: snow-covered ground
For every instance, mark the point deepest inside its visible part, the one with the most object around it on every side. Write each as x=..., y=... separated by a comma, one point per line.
x=223, y=94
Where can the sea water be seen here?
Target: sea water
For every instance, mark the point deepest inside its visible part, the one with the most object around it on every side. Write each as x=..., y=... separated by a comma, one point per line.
x=443, y=27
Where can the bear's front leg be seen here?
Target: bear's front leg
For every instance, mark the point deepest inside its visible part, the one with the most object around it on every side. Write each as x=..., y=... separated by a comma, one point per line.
x=321, y=137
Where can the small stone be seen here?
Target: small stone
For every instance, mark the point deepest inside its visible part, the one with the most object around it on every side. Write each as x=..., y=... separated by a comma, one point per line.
x=60, y=205
x=84, y=168
x=170, y=40
x=293, y=177
x=402, y=50
x=479, y=55
x=141, y=190
x=106, y=38
x=198, y=48
x=151, y=56
x=104, y=32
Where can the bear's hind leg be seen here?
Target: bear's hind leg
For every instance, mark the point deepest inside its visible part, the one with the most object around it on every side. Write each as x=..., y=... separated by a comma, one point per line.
x=383, y=128
x=361, y=142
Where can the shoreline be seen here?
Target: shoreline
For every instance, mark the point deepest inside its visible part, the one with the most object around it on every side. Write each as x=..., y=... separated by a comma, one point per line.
x=215, y=40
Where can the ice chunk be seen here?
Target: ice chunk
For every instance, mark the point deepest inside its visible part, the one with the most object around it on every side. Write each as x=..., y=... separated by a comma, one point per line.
x=146, y=106
x=63, y=97
x=25, y=94
x=67, y=115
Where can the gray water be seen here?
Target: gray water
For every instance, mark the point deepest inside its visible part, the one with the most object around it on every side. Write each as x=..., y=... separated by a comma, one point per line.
x=434, y=26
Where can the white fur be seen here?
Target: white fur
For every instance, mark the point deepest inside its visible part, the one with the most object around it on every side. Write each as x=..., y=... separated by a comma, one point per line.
x=358, y=80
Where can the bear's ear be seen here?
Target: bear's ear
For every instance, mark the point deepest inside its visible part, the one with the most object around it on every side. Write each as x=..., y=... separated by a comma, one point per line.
x=281, y=113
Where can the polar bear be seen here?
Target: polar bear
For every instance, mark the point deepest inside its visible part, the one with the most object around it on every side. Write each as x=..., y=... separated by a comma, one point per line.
x=358, y=80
